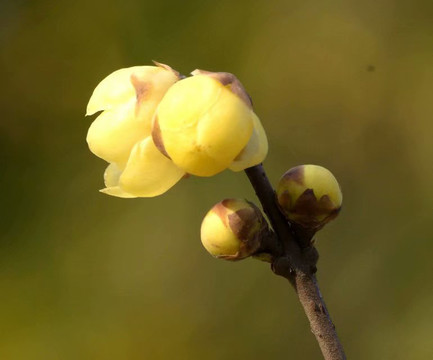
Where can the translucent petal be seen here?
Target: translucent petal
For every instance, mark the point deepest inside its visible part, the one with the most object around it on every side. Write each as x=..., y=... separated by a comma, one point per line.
x=111, y=179
x=126, y=84
x=113, y=133
x=112, y=175
x=148, y=173
x=128, y=117
x=115, y=89
x=118, y=192
x=150, y=88
x=255, y=151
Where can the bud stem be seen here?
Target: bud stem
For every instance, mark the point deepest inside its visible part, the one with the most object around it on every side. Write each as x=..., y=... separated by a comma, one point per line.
x=297, y=264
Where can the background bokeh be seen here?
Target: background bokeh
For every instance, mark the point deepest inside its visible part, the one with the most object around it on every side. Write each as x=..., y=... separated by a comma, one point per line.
x=344, y=84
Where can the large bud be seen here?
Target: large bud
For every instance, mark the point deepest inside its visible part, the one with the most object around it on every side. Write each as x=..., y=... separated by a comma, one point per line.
x=205, y=124
x=233, y=229
x=310, y=196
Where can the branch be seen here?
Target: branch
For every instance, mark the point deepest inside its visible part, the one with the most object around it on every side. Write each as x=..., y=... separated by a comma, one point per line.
x=296, y=261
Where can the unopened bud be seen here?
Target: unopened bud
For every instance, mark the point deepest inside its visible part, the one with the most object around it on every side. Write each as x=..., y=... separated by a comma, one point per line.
x=233, y=229
x=205, y=124
x=310, y=196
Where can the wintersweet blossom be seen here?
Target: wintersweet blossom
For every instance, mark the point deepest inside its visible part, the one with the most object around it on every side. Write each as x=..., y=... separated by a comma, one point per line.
x=205, y=124
x=156, y=127
x=121, y=133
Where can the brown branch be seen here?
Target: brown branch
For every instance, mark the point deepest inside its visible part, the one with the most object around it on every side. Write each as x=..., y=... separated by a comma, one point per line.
x=296, y=261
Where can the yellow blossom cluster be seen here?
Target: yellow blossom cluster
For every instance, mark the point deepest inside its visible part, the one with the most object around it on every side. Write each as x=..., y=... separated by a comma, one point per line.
x=156, y=126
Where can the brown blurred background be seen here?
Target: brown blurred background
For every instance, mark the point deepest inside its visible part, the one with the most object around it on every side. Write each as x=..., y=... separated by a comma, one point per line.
x=344, y=84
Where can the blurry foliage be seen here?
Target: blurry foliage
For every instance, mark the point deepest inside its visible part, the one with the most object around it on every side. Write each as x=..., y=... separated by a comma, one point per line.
x=344, y=84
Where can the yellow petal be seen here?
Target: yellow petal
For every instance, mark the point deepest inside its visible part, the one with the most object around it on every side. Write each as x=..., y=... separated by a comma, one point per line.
x=323, y=182
x=225, y=129
x=117, y=87
x=150, y=87
x=111, y=179
x=117, y=192
x=203, y=125
x=255, y=151
x=112, y=175
x=148, y=173
x=217, y=238
x=129, y=97
x=113, y=133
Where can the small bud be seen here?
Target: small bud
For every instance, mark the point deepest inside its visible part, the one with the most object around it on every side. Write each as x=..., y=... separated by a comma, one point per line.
x=233, y=229
x=310, y=196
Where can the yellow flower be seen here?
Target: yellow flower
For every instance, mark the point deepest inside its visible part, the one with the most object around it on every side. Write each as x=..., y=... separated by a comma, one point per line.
x=206, y=124
x=154, y=128
x=121, y=134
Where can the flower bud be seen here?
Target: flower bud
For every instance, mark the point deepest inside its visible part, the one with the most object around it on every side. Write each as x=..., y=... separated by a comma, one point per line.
x=233, y=229
x=205, y=124
x=310, y=196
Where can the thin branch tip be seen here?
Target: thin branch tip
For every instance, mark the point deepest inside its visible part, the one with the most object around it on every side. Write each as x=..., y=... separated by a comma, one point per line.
x=295, y=259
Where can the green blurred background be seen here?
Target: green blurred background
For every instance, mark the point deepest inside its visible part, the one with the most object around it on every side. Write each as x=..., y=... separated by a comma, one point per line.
x=344, y=84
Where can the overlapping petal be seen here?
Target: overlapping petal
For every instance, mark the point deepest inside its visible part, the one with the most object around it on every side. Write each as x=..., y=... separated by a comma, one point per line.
x=203, y=125
x=255, y=151
x=119, y=87
x=114, y=132
x=111, y=179
x=120, y=134
x=149, y=173
x=116, y=89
